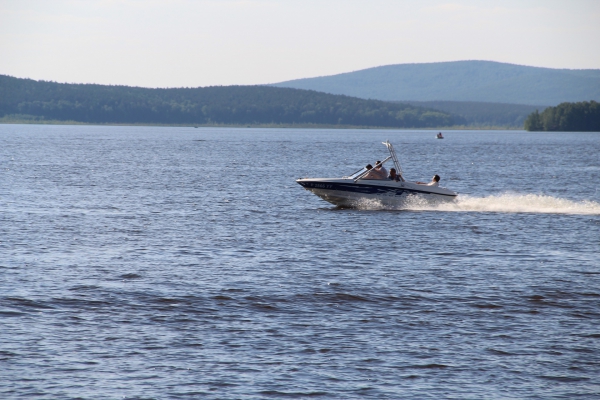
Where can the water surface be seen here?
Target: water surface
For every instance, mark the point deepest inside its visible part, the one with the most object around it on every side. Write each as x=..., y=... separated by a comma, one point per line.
x=146, y=262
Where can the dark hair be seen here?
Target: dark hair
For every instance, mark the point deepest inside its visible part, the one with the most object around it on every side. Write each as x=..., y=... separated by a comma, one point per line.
x=392, y=169
x=436, y=178
x=369, y=166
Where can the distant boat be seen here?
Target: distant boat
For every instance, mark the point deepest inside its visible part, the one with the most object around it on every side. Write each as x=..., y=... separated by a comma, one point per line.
x=439, y=135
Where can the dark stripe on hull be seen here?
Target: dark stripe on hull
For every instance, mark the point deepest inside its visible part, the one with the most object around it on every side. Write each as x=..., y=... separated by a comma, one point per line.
x=366, y=189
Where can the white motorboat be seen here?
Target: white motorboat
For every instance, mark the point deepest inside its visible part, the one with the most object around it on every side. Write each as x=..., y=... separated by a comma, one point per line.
x=353, y=190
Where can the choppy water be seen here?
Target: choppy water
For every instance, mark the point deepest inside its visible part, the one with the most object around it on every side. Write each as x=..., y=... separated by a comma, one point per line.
x=141, y=262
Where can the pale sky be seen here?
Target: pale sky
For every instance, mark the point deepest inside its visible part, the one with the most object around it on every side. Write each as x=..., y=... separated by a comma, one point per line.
x=177, y=43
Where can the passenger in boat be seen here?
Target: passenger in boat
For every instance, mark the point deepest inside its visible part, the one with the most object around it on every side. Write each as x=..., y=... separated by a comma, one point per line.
x=371, y=174
x=379, y=168
x=379, y=172
x=393, y=176
x=435, y=181
x=369, y=168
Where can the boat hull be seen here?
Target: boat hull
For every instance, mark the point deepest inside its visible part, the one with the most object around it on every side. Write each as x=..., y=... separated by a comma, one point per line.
x=348, y=193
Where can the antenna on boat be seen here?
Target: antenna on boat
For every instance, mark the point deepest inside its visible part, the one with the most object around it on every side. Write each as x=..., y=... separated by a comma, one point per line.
x=393, y=156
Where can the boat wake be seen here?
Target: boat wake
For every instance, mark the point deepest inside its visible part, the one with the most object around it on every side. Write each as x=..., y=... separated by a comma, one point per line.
x=503, y=203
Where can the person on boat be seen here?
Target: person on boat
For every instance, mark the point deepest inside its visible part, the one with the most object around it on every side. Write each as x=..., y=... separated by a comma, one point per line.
x=435, y=181
x=368, y=175
x=379, y=172
x=393, y=175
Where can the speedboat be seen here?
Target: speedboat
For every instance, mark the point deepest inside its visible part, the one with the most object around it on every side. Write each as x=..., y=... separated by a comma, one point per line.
x=439, y=135
x=353, y=190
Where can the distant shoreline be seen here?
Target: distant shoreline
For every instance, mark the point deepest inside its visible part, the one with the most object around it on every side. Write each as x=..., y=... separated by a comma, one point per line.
x=4, y=121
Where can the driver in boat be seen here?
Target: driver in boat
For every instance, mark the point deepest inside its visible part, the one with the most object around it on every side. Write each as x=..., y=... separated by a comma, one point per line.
x=393, y=175
x=379, y=172
x=435, y=181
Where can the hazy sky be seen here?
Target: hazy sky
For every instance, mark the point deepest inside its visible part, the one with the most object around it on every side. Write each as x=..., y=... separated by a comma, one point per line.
x=172, y=43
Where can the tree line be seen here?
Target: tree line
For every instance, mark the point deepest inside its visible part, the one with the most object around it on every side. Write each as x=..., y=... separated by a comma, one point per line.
x=234, y=105
x=575, y=117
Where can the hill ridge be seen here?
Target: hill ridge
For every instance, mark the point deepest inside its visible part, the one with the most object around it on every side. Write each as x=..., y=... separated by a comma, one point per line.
x=466, y=80
x=241, y=105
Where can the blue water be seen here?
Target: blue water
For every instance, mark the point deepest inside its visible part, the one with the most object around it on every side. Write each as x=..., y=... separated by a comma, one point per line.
x=151, y=262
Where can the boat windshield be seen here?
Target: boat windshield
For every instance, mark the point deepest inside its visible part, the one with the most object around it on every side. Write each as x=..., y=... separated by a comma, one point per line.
x=363, y=171
x=359, y=174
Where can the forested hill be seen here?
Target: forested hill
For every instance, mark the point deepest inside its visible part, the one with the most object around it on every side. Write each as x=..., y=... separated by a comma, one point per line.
x=230, y=105
x=478, y=81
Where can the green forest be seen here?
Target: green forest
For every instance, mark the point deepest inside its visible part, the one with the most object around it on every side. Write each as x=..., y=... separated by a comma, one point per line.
x=217, y=105
x=574, y=117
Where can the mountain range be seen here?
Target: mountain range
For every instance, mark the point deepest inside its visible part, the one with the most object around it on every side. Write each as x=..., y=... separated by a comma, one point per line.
x=459, y=94
x=466, y=81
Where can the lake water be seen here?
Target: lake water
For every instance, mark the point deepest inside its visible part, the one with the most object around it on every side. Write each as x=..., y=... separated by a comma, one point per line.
x=155, y=262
